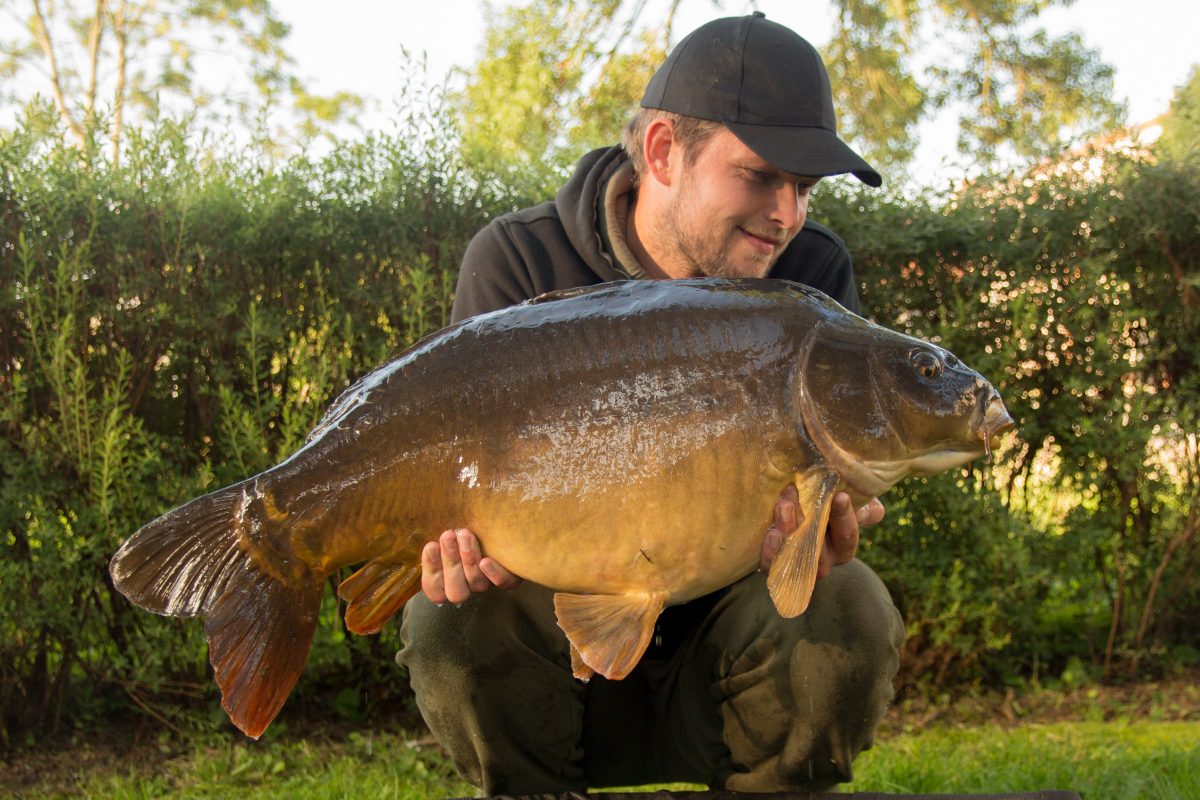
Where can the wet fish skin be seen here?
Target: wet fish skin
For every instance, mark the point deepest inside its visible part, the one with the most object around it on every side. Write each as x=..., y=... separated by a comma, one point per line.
x=623, y=444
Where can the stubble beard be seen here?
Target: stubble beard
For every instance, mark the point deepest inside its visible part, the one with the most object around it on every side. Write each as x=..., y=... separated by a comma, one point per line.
x=700, y=252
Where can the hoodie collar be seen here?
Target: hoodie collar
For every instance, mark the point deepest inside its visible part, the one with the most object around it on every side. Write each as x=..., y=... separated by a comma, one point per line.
x=593, y=207
x=616, y=201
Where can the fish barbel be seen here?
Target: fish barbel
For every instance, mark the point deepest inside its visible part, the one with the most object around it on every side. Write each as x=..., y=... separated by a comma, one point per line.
x=624, y=445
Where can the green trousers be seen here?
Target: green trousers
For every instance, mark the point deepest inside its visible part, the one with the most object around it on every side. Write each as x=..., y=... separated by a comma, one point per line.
x=736, y=697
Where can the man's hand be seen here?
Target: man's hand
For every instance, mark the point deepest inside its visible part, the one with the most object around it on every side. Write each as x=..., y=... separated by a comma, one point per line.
x=841, y=534
x=452, y=568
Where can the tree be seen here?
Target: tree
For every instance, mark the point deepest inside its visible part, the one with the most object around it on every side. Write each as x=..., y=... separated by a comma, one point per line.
x=1180, y=138
x=104, y=58
x=555, y=76
x=1021, y=90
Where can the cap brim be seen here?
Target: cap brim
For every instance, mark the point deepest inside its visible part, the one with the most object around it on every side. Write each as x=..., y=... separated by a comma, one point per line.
x=809, y=151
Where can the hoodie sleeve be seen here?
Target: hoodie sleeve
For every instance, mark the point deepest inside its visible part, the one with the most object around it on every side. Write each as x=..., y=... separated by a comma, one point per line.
x=517, y=257
x=492, y=276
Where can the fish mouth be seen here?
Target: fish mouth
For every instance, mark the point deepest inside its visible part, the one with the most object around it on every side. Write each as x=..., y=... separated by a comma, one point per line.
x=996, y=420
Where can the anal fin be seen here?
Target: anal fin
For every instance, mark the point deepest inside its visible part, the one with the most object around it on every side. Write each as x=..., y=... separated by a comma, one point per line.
x=578, y=668
x=794, y=571
x=376, y=592
x=608, y=632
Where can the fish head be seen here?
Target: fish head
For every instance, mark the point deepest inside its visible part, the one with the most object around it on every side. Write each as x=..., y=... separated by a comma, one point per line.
x=881, y=405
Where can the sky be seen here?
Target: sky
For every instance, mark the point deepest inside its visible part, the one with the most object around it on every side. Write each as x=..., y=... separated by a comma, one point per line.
x=358, y=47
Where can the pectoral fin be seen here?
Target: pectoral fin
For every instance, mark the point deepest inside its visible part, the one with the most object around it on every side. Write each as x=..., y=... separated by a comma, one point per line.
x=376, y=592
x=608, y=632
x=794, y=571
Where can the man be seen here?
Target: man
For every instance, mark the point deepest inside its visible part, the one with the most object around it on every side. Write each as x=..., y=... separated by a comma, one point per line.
x=712, y=179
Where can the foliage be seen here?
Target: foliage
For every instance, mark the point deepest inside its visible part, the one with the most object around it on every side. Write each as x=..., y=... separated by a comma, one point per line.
x=554, y=78
x=1020, y=92
x=177, y=321
x=1072, y=289
x=115, y=56
x=543, y=63
x=170, y=325
x=1180, y=140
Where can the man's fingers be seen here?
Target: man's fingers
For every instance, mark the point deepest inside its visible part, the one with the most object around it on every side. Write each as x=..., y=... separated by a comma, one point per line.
x=454, y=580
x=468, y=550
x=454, y=567
x=785, y=515
x=841, y=535
x=431, y=573
x=785, y=522
x=772, y=544
x=497, y=574
x=871, y=513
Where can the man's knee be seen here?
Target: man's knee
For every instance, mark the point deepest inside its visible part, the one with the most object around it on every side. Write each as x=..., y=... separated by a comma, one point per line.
x=807, y=693
x=494, y=684
x=853, y=643
x=852, y=609
x=479, y=633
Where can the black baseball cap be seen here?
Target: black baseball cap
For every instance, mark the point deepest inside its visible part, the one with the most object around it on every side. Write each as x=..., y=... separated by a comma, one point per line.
x=768, y=86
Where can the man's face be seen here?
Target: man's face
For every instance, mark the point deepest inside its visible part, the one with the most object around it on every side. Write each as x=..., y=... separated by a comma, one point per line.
x=731, y=214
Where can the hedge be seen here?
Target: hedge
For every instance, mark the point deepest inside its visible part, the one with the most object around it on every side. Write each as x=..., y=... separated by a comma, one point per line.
x=180, y=321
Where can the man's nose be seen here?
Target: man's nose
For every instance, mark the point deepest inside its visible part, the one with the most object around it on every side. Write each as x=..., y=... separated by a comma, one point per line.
x=790, y=207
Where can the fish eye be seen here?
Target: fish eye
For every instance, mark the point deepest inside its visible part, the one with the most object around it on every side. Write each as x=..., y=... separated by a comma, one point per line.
x=926, y=363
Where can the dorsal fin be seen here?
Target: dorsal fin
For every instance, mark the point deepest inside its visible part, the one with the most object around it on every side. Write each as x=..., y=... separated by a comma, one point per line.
x=578, y=291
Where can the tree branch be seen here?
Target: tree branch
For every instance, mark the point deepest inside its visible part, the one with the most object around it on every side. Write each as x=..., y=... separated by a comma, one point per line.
x=1178, y=540
x=119, y=23
x=95, y=37
x=1190, y=298
x=43, y=37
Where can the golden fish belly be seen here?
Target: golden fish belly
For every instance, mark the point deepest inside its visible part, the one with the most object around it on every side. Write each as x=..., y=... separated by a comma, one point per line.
x=676, y=500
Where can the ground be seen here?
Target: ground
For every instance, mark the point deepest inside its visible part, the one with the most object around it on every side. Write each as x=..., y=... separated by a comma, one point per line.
x=1175, y=700
x=59, y=766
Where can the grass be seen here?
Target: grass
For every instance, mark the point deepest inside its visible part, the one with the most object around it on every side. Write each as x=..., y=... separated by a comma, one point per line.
x=1100, y=760
x=360, y=766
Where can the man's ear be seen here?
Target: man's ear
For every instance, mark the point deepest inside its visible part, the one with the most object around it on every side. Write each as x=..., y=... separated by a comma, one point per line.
x=660, y=148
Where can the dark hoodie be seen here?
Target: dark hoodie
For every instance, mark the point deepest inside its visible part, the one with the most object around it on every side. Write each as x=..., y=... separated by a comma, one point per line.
x=564, y=244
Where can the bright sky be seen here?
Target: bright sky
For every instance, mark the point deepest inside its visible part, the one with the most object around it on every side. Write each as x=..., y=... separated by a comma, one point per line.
x=355, y=45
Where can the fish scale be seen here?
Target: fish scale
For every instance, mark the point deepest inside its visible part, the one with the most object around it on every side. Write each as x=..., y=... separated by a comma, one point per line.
x=624, y=445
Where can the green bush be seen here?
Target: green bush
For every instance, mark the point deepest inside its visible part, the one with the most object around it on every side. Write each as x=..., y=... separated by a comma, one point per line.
x=1074, y=288
x=173, y=325
x=180, y=322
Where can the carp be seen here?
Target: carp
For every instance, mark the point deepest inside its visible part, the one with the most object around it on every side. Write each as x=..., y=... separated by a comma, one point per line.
x=623, y=444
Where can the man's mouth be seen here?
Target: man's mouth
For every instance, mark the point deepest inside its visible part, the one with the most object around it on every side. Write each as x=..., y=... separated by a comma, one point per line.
x=765, y=244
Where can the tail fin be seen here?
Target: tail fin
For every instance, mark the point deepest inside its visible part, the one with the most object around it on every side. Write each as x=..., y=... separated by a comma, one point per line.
x=259, y=634
x=194, y=561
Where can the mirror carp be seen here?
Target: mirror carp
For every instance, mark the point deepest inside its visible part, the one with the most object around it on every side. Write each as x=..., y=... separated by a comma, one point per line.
x=623, y=444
